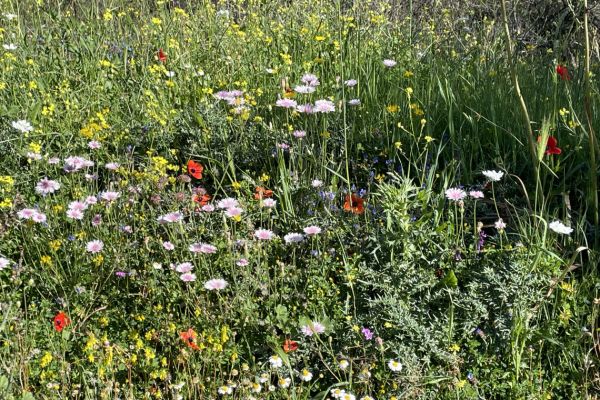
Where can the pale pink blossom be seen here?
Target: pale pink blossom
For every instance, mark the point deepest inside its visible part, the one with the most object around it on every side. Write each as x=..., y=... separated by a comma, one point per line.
x=215, y=284
x=264, y=234
x=312, y=230
x=187, y=277
x=47, y=186
x=314, y=327
x=455, y=194
x=94, y=246
x=184, y=267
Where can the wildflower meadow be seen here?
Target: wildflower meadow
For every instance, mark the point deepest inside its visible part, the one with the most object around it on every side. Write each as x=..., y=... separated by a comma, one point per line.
x=270, y=199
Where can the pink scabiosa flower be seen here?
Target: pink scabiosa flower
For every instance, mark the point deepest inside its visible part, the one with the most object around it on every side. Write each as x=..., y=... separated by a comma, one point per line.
x=4, y=263
x=91, y=200
x=324, y=106
x=170, y=217
x=313, y=328
x=39, y=217
x=286, y=103
x=233, y=212
x=455, y=194
x=354, y=102
x=47, y=186
x=310, y=80
x=203, y=248
x=316, y=183
x=293, y=237
x=389, y=63
x=476, y=194
x=351, y=82
x=94, y=144
x=113, y=166
x=312, y=230
x=500, y=224
x=78, y=205
x=305, y=109
x=74, y=214
x=228, y=202
x=215, y=284
x=208, y=208
x=184, y=267
x=26, y=213
x=269, y=203
x=304, y=89
x=110, y=196
x=242, y=262
x=168, y=246
x=187, y=277
x=94, y=246
x=264, y=234
x=53, y=160
x=299, y=134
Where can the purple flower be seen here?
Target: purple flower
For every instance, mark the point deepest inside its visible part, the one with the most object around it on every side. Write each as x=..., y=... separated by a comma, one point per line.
x=367, y=333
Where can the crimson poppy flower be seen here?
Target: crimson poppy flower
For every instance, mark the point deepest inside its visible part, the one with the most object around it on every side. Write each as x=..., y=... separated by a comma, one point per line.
x=290, y=345
x=551, y=145
x=61, y=321
x=563, y=72
x=202, y=199
x=162, y=57
x=262, y=193
x=195, y=169
x=189, y=337
x=354, y=204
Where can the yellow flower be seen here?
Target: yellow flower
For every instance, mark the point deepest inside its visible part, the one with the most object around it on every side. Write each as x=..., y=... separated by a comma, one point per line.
x=454, y=348
x=460, y=384
x=46, y=359
x=408, y=74
x=46, y=260
x=563, y=111
x=392, y=108
x=156, y=21
x=319, y=38
x=264, y=177
x=429, y=139
x=107, y=16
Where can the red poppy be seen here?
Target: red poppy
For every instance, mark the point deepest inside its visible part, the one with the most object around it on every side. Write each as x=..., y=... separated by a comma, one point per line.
x=354, y=204
x=162, y=57
x=202, y=199
x=61, y=321
x=189, y=337
x=551, y=145
x=195, y=169
x=563, y=72
x=262, y=193
x=289, y=345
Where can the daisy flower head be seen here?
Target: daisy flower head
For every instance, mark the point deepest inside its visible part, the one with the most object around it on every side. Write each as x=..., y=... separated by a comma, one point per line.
x=389, y=63
x=22, y=126
x=313, y=328
x=46, y=186
x=225, y=389
x=343, y=364
x=264, y=234
x=275, y=361
x=94, y=246
x=455, y=194
x=9, y=46
x=187, y=277
x=284, y=383
x=493, y=176
x=306, y=375
x=559, y=227
x=394, y=365
x=215, y=284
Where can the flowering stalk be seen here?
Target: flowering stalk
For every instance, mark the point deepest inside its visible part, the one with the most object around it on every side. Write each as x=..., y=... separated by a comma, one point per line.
x=588, y=113
x=515, y=80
